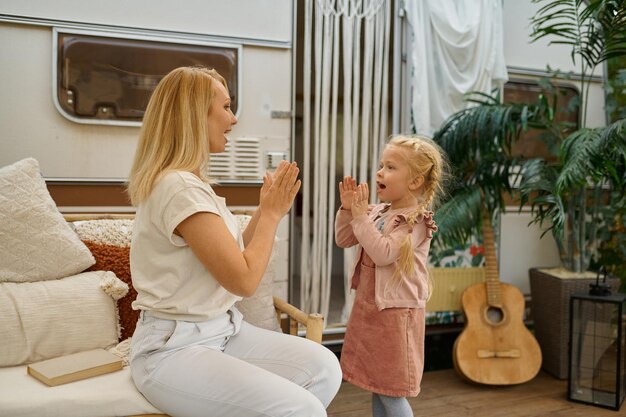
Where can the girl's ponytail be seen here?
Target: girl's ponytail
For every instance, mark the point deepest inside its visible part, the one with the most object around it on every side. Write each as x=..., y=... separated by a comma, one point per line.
x=425, y=159
x=405, y=265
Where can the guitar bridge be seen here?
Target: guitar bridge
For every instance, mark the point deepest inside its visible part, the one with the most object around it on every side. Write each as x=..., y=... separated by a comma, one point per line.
x=486, y=354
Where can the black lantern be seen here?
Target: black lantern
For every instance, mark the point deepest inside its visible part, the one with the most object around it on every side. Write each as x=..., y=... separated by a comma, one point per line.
x=597, y=366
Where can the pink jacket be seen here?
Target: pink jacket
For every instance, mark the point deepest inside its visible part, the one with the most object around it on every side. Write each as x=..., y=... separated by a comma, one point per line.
x=384, y=250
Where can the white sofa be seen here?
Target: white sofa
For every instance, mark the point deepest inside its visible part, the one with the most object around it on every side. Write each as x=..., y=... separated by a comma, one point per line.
x=112, y=394
x=54, y=301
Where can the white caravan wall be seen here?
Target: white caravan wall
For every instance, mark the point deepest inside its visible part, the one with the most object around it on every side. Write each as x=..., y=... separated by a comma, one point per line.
x=32, y=126
x=523, y=57
x=269, y=20
x=521, y=248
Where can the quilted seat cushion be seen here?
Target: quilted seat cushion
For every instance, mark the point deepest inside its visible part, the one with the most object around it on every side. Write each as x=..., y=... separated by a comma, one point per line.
x=112, y=394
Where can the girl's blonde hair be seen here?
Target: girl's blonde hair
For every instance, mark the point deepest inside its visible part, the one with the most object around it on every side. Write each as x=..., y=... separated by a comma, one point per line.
x=174, y=134
x=424, y=159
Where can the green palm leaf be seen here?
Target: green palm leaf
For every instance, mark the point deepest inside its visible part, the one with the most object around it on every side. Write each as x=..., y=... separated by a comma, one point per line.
x=577, y=153
x=612, y=145
x=596, y=29
x=593, y=154
x=538, y=187
x=478, y=141
x=605, y=36
x=480, y=129
x=458, y=218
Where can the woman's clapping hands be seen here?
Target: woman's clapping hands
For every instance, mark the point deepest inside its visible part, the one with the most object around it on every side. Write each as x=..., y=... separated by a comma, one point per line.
x=279, y=189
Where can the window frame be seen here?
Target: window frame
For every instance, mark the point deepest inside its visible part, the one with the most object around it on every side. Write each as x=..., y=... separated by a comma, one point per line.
x=148, y=37
x=529, y=89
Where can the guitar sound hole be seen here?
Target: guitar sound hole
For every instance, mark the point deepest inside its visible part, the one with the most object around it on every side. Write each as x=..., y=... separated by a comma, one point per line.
x=495, y=315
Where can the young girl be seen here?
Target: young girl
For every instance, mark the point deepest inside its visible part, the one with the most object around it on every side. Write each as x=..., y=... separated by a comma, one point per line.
x=383, y=349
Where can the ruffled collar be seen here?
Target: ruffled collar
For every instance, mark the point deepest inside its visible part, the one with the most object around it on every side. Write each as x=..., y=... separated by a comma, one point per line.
x=402, y=215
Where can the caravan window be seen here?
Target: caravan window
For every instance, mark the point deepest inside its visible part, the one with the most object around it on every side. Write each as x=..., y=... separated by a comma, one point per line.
x=530, y=145
x=109, y=80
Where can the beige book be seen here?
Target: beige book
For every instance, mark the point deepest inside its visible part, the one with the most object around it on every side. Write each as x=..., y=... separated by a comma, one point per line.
x=74, y=367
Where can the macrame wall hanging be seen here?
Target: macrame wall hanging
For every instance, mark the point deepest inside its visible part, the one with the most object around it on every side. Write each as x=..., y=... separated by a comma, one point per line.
x=347, y=40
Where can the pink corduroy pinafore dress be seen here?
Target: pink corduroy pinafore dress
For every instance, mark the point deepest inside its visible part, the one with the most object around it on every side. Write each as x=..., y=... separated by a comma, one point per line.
x=383, y=351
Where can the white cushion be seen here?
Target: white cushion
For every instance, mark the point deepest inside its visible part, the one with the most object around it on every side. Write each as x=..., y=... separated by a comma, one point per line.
x=42, y=320
x=259, y=309
x=112, y=394
x=36, y=243
x=117, y=232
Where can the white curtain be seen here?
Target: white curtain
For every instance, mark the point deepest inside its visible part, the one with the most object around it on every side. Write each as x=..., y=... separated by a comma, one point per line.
x=336, y=31
x=457, y=48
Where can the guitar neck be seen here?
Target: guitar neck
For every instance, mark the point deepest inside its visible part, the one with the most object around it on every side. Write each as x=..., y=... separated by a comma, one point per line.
x=492, y=278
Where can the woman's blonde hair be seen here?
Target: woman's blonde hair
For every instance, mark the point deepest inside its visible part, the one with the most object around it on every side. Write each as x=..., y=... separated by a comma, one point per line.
x=424, y=159
x=174, y=131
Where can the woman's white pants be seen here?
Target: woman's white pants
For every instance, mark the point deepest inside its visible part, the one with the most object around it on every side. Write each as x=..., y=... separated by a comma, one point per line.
x=216, y=369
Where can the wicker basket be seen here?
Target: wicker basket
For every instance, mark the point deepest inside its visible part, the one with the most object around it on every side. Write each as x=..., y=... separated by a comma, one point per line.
x=550, y=295
x=449, y=284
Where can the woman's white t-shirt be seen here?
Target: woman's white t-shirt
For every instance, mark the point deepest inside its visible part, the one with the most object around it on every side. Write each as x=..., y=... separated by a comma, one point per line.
x=170, y=280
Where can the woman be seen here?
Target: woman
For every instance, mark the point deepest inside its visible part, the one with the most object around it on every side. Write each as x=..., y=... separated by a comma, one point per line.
x=192, y=354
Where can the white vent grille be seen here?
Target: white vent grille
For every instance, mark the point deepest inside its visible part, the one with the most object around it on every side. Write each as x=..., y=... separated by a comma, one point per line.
x=220, y=165
x=241, y=160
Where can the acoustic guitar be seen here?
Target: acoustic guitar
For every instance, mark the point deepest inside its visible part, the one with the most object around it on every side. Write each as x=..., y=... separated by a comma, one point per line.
x=495, y=347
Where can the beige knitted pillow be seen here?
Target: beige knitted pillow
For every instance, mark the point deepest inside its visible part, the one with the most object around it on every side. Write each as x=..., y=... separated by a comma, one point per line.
x=259, y=309
x=109, y=242
x=46, y=319
x=36, y=243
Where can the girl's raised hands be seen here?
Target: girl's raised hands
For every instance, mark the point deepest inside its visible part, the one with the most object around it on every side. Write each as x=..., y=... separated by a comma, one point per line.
x=347, y=188
x=360, y=200
x=353, y=197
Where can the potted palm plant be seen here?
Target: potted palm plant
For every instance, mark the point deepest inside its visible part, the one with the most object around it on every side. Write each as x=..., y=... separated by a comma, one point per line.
x=589, y=158
x=567, y=197
x=564, y=194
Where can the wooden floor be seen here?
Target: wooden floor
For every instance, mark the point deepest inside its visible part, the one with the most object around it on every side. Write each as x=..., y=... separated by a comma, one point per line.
x=444, y=393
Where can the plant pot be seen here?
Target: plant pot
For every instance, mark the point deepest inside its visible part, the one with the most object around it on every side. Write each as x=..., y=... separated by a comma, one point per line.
x=550, y=290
